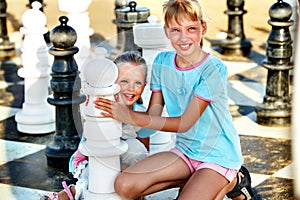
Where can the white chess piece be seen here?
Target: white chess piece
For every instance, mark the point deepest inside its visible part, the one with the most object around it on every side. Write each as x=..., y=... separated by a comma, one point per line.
x=102, y=142
x=79, y=20
x=36, y=116
x=152, y=39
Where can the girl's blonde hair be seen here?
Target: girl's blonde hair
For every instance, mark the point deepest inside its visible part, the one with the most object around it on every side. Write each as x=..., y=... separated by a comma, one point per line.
x=181, y=8
x=132, y=57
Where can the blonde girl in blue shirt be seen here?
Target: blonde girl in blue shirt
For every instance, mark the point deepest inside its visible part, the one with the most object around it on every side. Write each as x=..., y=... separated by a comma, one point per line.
x=192, y=84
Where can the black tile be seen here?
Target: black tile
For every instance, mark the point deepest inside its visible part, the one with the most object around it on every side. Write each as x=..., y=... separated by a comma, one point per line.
x=265, y=155
x=32, y=171
x=12, y=96
x=275, y=188
x=256, y=74
x=8, y=72
x=239, y=111
x=8, y=131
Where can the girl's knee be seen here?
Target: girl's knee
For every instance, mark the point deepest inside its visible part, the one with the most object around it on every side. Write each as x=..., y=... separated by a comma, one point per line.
x=123, y=186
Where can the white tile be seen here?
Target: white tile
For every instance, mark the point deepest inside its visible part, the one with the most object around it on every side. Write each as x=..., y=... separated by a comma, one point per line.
x=164, y=195
x=10, y=150
x=257, y=179
x=6, y=112
x=238, y=67
x=285, y=172
x=4, y=84
x=17, y=193
x=246, y=125
x=245, y=93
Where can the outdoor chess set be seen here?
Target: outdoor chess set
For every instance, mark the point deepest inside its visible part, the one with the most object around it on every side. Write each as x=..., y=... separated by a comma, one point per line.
x=29, y=162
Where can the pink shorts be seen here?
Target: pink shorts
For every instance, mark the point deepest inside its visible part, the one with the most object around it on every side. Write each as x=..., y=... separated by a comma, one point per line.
x=195, y=165
x=78, y=158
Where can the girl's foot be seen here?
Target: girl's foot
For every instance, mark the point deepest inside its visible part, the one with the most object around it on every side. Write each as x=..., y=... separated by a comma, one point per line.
x=243, y=186
x=67, y=194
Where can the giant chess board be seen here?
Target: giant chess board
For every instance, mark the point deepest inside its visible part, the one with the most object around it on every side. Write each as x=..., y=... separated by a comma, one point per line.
x=24, y=173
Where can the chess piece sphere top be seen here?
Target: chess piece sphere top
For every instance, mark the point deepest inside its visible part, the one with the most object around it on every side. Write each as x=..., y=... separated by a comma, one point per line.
x=234, y=4
x=280, y=11
x=132, y=14
x=100, y=72
x=34, y=19
x=63, y=36
x=132, y=6
x=121, y=3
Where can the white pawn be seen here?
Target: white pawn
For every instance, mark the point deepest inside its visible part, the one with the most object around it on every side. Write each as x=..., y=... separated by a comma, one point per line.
x=102, y=142
x=36, y=116
x=80, y=21
x=152, y=39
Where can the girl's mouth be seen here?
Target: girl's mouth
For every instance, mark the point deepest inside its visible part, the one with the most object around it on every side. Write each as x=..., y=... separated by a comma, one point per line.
x=129, y=97
x=185, y=46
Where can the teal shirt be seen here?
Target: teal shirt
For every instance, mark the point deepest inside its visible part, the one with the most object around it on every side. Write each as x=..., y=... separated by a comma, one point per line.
x=213, y=137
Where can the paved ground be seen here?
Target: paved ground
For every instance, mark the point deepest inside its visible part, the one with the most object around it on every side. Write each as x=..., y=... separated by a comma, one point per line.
x=24, y=173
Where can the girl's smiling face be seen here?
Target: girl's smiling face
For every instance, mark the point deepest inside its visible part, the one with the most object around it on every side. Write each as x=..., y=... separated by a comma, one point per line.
x=185, y=35
x=132, y=79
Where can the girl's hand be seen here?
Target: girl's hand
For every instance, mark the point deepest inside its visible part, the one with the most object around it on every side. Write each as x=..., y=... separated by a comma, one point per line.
x=112, y=109
x=118, y=99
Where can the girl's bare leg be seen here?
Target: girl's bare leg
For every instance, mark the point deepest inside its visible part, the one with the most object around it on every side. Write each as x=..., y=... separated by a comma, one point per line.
x=62, y=195
x=204, y=184
x=155, y=173
x=227, y=189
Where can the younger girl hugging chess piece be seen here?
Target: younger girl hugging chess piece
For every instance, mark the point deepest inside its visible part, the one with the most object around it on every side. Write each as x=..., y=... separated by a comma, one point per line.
x=206, y=162
x=132, y=73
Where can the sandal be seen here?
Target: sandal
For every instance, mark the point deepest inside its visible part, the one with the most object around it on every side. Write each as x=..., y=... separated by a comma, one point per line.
x=243, y=186
x=54, y=195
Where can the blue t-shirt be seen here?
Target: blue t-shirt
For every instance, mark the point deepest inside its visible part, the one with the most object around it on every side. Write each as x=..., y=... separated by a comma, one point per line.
x=213, y=137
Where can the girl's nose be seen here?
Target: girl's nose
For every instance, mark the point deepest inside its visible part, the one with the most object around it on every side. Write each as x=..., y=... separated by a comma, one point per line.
x=131, y=86
x=183, y=35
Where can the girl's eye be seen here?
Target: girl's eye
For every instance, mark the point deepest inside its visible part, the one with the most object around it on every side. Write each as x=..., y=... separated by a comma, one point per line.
x=138, y=84
x=124, y=81
x=174, y=30
x=192, y=29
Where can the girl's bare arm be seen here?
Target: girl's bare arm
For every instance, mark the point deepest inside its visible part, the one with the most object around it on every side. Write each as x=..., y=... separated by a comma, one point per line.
x=152, y=119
